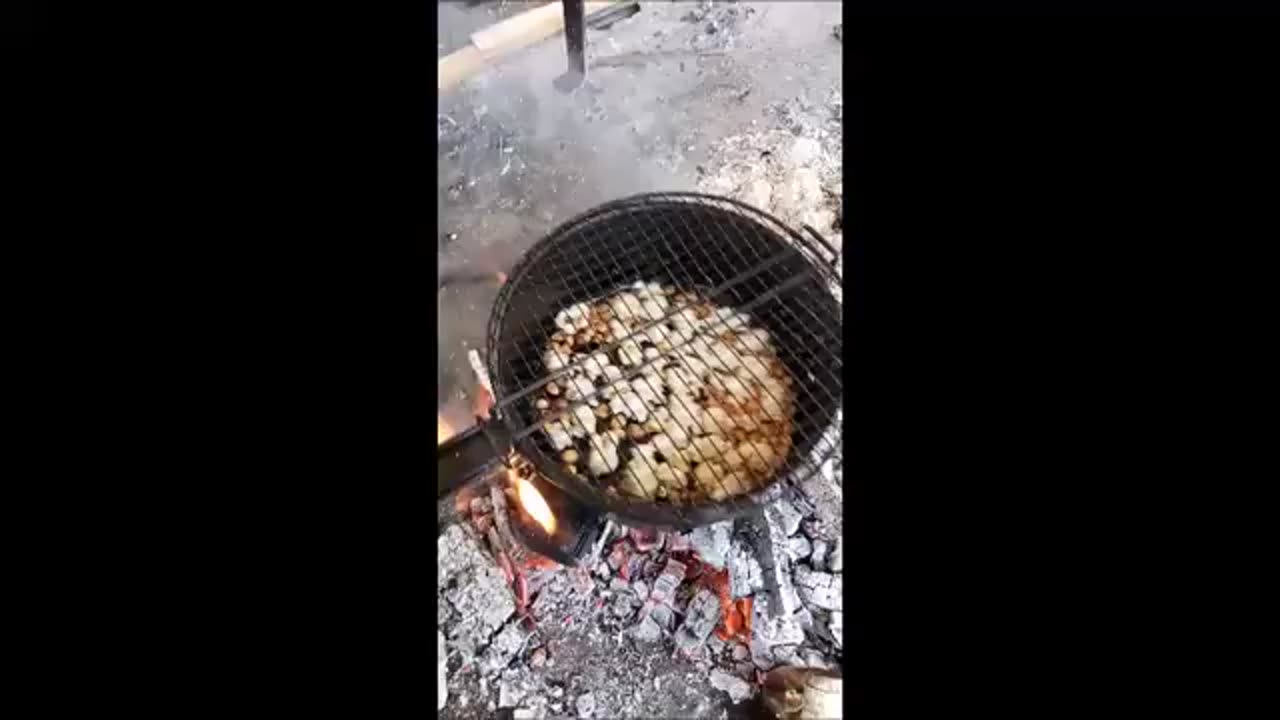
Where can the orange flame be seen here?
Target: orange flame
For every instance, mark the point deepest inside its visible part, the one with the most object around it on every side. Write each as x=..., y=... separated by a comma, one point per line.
x=533, y=503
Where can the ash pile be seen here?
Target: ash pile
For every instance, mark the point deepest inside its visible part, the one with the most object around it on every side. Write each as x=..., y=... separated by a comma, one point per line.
x=792, y=169
x=651, y=624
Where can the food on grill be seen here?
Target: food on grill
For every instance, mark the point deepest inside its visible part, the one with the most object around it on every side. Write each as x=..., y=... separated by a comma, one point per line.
x=680, y=409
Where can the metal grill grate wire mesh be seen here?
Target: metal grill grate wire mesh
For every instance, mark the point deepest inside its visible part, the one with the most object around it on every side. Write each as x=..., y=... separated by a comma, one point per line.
x=730, y=254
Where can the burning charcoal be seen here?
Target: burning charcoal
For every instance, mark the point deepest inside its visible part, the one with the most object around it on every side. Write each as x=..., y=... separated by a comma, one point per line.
x=819, y=589
x=647, y=631
x=827, y=499
x=786, y=516
x=602, y=569
x=478, y=590
x=715, y=644
x=775, y=564
x=619, y=585
x=640, y=589
x=664, y=616
x=776, y=631
x=585, y=705
x=509, y=693
x=504, y=647
x=645, y=540
x=737, y=688
x=818, y=559
x=836, y=561
x=481, y=505
x=635, y=566
x=745, y=573
x=712, y=543
x=798, y=548
x=664, y=588
x=837, y=627
x=740, y=652
x=788, y=655
x=701, y=619
x=619, y=554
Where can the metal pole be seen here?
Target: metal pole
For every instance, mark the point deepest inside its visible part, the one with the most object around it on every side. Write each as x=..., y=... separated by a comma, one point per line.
x=575, y=39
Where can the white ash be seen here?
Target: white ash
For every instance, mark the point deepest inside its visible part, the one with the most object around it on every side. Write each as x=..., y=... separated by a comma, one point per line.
x=701, y=619
x=745, y=574
x=785, y=515
x=771, y=527
x=640, y=609
x=712, y=543
x=442, y=694
x=819, y=589
x=818, y=558
x=504, y=647
x=737, y=689
x=793, y=174
x=799, y=548
x=478, y=598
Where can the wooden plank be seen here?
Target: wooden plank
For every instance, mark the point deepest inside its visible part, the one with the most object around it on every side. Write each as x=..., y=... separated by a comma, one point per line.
x=458, y=66
x=527, y=28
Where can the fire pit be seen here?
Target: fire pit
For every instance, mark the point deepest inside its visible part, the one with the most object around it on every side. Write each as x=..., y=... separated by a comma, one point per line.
x=721, y=605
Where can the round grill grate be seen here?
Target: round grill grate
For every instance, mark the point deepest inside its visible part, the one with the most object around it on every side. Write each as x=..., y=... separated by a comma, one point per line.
x=728, y=253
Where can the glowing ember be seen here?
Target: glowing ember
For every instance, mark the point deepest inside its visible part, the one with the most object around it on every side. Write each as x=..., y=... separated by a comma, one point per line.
x=533, y=503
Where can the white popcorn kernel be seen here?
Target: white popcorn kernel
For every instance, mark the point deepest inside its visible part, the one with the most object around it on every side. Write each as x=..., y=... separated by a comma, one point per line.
x=729, y=319
x=629, y=403
x=759, y=454
x=756, y=341
x=604, y=455
x=657, y=334
x=553, y=361
x=687, y=416
x=585, y=417
x=617, y=330
x=772, y=407
x=652, y=310
x=630, y=354
x=668, y=475
x=752, y=369
x=578, y=387
x=719, y=421
x=724, y=356
x=649, y=392
x=594, y=365
x=639, y=479
x=559, y=435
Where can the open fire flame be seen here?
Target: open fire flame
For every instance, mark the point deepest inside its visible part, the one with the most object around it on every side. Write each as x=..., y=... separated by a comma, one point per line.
x=534, y=504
